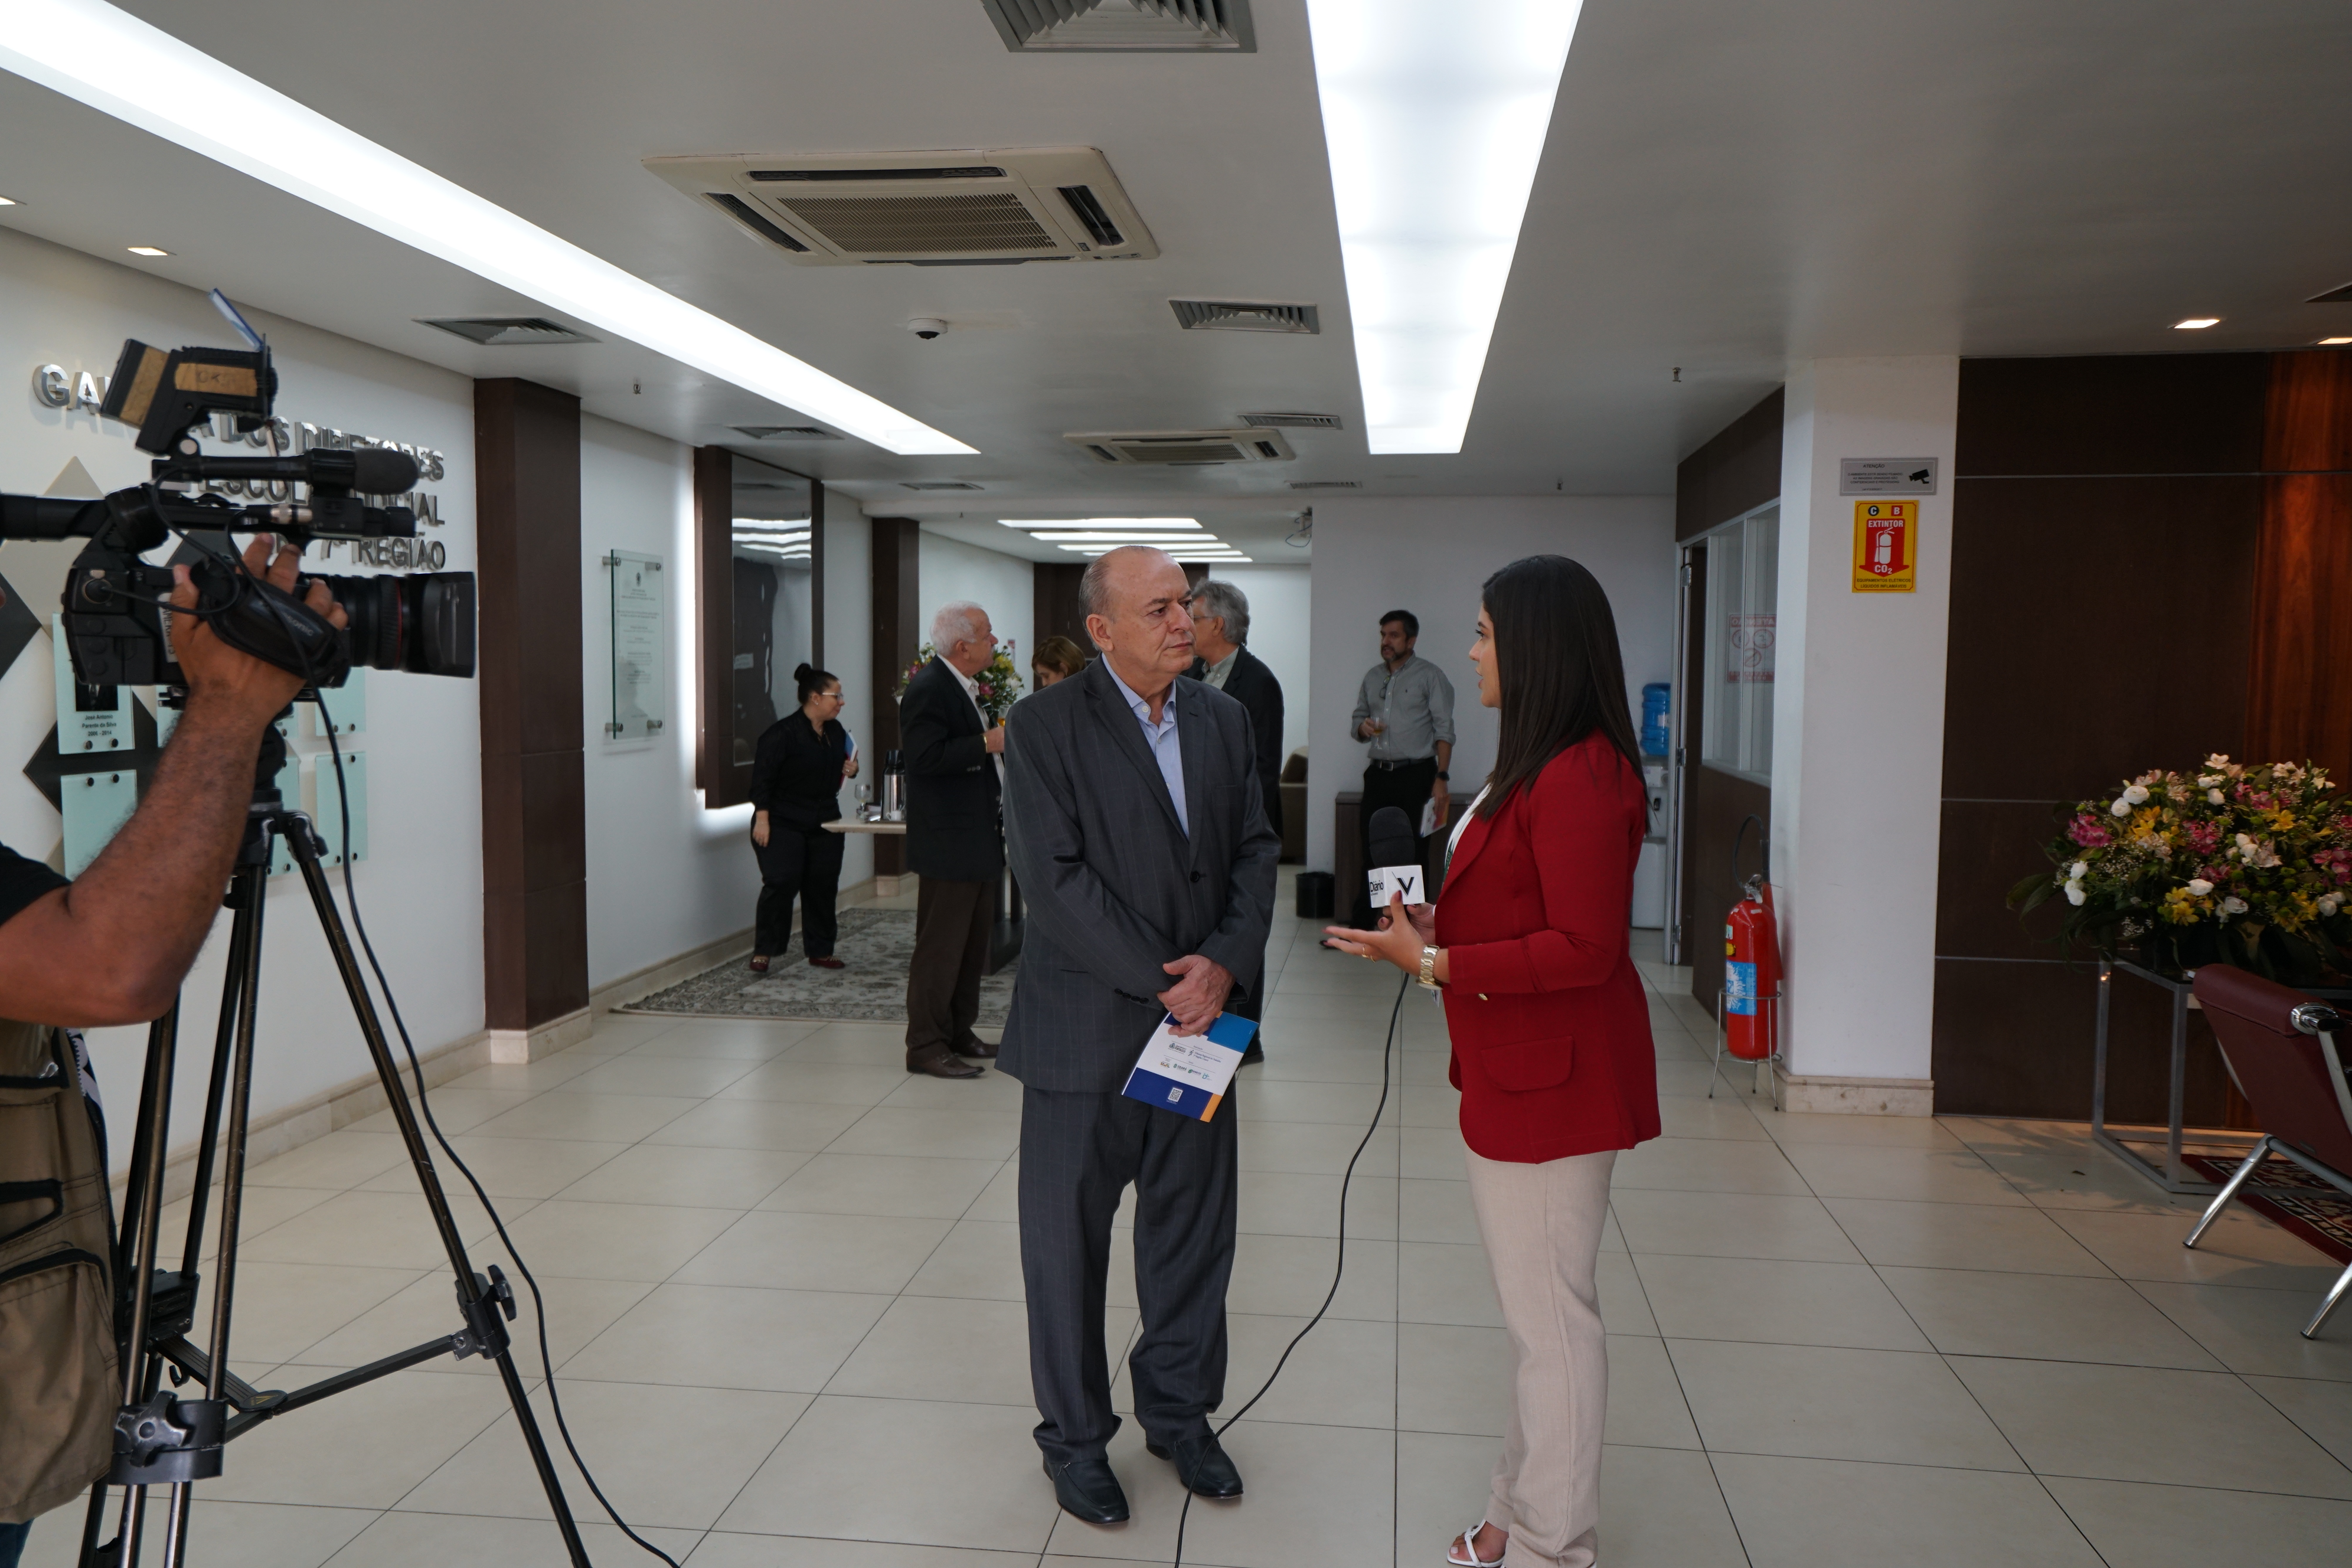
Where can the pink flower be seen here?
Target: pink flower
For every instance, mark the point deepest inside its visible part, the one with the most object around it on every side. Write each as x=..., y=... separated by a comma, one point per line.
x=2089, y=832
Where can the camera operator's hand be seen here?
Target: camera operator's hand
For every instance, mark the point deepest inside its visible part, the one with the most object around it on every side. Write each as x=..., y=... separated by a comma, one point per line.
x=243, y=687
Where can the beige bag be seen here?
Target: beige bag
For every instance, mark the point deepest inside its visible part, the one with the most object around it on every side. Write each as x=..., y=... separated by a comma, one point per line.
x=59, y=1383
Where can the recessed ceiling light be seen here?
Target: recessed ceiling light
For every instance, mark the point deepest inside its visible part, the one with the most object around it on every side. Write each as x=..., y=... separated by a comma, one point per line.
x=1433, y=142
x=2196, y=323
x=2334, y=343
x=98, y=55
x=147, y=251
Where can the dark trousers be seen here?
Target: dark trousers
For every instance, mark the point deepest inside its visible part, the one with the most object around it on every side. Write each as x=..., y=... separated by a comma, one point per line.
x=802, y=863
x=1079, y=1152
x=952, y=929
x=1408, y=789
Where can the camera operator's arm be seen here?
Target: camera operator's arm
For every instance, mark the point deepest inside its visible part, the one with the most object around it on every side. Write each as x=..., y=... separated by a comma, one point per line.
x=111, y=947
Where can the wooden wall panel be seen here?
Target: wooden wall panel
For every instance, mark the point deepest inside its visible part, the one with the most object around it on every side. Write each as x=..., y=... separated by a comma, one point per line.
x=897, y=608
x=534, y=812
x=1737, y=471
x=2299, y=696
x=722, y=780
x=2139, y=414
x=1056, y=609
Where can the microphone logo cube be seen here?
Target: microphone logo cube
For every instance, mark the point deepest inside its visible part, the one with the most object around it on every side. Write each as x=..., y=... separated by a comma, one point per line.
x=1405, y=881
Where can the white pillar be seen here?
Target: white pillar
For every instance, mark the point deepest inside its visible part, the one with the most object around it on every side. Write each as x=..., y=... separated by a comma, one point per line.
x=1858, y=720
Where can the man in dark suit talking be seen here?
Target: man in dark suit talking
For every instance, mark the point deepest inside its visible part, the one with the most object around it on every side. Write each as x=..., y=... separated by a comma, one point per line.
x=1138, y=830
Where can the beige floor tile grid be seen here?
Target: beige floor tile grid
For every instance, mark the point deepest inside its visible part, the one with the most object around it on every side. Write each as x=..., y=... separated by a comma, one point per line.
x=785, y=1314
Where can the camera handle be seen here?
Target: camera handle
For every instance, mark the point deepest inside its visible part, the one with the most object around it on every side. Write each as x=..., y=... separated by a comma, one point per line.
x=161, y=1441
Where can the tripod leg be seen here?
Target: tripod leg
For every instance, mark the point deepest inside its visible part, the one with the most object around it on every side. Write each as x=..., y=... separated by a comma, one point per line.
x=147, y=1147
x=243, y=932
x=330, y=920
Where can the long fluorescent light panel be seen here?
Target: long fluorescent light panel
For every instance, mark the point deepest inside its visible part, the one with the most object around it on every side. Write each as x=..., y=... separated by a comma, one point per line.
x=1433, y=134
x=112, y=61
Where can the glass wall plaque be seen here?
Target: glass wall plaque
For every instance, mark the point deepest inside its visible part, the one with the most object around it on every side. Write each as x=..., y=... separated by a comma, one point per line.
x=640, y=646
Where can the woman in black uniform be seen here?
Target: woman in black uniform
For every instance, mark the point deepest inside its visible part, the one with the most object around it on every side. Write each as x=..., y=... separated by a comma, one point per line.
x=795, y=789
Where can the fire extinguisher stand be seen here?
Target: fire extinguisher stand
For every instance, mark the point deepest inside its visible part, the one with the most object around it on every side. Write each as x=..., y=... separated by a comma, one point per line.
x=1764, y=1065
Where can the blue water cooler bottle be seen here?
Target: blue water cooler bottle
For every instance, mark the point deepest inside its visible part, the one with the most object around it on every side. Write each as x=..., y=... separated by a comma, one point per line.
x=1654, y=706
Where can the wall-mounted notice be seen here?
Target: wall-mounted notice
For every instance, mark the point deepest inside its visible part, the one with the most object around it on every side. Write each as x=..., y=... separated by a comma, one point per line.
x=640, y=642
x=1886, y=546
x=1886, y=476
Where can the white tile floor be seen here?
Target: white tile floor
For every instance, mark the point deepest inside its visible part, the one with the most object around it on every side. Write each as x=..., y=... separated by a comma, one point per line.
x=784, y=1300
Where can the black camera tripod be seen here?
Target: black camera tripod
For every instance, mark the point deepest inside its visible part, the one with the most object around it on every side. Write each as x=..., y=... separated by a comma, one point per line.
x=161, y=1439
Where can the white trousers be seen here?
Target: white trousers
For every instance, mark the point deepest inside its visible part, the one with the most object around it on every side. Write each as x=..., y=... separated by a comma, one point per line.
x=1541, y=1224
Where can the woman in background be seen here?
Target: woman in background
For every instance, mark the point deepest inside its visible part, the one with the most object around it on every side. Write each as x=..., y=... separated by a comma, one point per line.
x=1550, y=1029
x=795, y=790
x=1056, y=658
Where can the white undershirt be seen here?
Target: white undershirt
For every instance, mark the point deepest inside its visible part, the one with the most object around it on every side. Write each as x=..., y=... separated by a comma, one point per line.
x=1454, y=842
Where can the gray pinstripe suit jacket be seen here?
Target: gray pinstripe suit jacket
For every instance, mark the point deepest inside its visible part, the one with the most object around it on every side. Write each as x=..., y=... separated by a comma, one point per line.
x=1114, y=888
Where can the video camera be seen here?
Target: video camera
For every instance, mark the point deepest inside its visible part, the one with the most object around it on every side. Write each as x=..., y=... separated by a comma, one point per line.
x=117, y=616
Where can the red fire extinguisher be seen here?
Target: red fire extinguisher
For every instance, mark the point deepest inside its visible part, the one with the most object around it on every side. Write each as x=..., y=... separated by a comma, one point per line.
x=1751, y=976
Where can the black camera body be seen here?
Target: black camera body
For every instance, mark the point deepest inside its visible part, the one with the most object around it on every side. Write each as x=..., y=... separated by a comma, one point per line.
x=118, y=621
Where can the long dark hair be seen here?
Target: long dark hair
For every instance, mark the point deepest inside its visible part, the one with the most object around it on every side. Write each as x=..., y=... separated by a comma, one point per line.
x=1562, y=677
x=812, y=681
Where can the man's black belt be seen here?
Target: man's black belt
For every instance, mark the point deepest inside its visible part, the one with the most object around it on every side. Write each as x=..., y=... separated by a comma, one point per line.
x=1391, y=767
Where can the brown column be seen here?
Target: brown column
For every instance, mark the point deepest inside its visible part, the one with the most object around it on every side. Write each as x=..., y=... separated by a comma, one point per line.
x=534, y=822
x=2299, y=697
x=897, y=607
x=1057, y=610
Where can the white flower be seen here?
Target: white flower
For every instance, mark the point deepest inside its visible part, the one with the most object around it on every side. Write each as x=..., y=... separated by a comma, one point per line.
x=2121, y=808
x=2136, y=794
x=2212, y=798
x=2218, y=762
x=2330, y=904
x=2235, y=905
x=2075, y=872
x=2199, y=886
x=2075, y=894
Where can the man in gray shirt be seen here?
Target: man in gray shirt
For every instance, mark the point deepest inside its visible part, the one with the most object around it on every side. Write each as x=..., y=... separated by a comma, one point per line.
x=1404, y=712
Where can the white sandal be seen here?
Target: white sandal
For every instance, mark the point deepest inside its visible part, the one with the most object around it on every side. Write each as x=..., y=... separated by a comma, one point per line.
x=1468, y=1541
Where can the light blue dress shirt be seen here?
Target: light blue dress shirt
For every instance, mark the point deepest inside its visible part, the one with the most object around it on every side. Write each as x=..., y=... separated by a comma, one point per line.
x=1162, y=740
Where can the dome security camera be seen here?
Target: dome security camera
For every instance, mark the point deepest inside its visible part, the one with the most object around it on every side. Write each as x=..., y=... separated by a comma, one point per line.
x=927, y=327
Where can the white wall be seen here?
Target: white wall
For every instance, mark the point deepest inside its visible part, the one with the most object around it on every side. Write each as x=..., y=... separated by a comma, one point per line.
x=1004, y=585
x=1429, y=555
x=1857, y=763
x=664, y=875
x=1282, y=618
x=422, y=888
x=848, y=653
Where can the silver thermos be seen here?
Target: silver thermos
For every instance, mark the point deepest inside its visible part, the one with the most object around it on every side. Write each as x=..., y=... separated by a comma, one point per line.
x=894, y=789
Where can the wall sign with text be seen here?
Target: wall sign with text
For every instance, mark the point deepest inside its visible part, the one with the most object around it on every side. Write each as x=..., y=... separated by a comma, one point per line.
x=1886, y=546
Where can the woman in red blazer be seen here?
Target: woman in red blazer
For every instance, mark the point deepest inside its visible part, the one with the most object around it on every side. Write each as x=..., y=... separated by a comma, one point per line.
x=1551, y=1028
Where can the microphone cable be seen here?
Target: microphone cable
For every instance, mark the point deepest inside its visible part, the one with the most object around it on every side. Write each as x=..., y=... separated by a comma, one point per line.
x=1339, y=1269
x=417, y=1069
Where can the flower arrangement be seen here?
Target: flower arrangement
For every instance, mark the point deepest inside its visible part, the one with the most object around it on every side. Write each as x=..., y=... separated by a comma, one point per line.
x=2250, y=865
x=999, y=682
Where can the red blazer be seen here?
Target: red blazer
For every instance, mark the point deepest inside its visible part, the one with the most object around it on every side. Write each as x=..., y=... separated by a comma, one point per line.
x=1550, y=1027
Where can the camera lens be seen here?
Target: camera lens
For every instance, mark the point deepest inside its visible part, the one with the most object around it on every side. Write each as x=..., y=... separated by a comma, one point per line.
x=422, y=622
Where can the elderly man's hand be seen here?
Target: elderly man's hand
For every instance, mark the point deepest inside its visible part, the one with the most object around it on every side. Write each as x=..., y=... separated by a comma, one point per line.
x=1199, y=994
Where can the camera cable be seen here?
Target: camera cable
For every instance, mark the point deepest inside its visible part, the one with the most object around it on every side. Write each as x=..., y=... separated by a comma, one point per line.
x=416, y=1069
x=1339, y=1267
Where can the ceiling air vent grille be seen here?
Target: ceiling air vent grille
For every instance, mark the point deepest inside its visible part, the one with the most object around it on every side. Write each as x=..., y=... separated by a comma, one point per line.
x=1186, y=447
x=784, y=433
x=1107, y=27
x=937, y=485
x=1239, y=316
x=1294, y=421
x=970, y=207
x=506, y=332
x=1326, y=484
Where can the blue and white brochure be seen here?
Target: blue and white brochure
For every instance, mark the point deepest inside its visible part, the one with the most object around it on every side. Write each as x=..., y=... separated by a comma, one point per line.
x=1188, y=1074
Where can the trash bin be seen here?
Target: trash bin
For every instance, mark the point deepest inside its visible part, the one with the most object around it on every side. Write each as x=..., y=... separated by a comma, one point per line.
x=1314, y=895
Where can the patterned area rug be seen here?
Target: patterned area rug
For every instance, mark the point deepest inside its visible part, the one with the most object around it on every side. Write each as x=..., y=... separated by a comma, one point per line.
x=2320, y=1213
x=876, y=945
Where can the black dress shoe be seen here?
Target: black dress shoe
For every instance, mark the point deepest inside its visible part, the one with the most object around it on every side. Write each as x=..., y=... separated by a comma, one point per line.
x=945, y=1065
x=1256, y=1053
x=1203, y=1465
x=977, y=1048
x=1087, y=1490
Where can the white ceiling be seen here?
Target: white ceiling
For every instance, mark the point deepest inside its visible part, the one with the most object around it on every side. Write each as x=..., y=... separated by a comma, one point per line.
x=1727, y=187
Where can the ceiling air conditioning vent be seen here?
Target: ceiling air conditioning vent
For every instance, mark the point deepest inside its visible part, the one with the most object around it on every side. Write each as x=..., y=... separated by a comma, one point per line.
x=1294, y=421
x=1188, y=448
x=937, y=485
x=1326, y=484
x=1104, y=26
x=784, y=433
x=506, y=332
x=1239, y=316
x=927, y=209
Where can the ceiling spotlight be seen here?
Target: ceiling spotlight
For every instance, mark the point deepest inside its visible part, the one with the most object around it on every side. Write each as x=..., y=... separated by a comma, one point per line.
x=2334, y=343
x=2196, y=323
x=147, y=251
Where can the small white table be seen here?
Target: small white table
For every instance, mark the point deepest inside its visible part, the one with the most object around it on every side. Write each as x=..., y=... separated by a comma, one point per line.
x=884, y=887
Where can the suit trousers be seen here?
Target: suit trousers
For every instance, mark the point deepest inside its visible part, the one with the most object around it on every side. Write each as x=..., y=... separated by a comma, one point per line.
x=802, y=863
x=1079, y=1152
x=953, y=922
x=1541, y=1223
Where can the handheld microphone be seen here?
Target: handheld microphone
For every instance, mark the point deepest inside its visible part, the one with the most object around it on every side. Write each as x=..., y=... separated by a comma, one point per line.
x=1393, y=869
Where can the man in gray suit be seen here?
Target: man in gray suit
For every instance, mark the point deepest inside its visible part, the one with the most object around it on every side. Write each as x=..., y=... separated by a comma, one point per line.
x=1136, y=826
